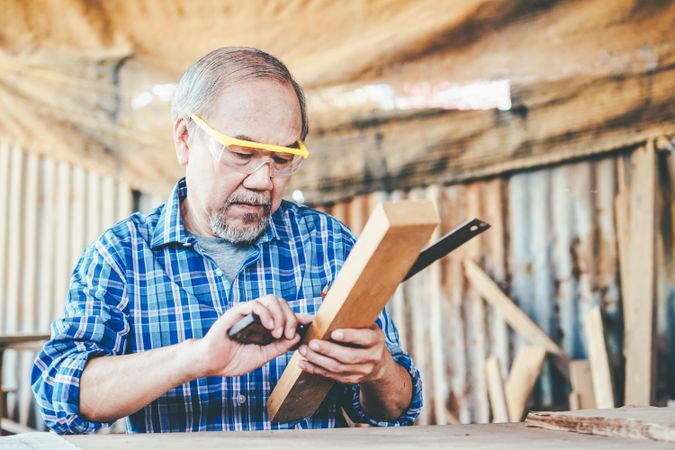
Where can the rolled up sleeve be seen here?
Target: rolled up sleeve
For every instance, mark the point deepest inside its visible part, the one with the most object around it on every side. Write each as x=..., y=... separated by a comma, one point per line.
x=352, y=393
x=94, y=324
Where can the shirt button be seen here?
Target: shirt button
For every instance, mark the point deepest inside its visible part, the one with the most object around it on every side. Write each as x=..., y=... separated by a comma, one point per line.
x=219, y=272
x=241, y=399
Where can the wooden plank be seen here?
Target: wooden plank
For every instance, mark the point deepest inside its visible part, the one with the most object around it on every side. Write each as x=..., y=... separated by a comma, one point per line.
x=629, y=422
x=418, y=309
x=496, y=391
x=78, y=238
x=62, y=264
x=436, y=326
x=94, y=206
x=14, y=266
x=475, y=322
x=514, y=316
x=389, y=244
x=28, y=302
x=48, y=241
x=582, y=383
x=4, y=238
x=639, y=297
x=494, y=261
x=523, y=375
x=599, y=362
x=454, y=285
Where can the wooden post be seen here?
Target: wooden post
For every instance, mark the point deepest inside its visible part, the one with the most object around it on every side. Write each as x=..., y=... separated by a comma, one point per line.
x=389, y=244
x=597, y=352
x=638, y=269
x=522, y=377
x=496, y=392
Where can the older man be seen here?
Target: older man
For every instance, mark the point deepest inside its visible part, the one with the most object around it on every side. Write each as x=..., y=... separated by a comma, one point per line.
x=144, y=333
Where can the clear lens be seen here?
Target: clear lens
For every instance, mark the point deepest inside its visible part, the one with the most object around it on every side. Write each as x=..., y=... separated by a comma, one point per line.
x=248, y=161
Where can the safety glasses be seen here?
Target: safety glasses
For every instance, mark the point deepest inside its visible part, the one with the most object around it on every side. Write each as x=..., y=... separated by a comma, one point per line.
x=246, y=156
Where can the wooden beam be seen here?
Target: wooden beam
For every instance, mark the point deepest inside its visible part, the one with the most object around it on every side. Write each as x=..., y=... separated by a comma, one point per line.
x=389, y=244
x=582, y=384
x=459, y=146
x=597, y=352
x=522, y=377
x=495, y=384
x=639, y=286
x=513, y=315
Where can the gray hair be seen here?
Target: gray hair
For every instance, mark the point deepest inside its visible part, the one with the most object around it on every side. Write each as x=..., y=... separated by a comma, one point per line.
x=202, y=81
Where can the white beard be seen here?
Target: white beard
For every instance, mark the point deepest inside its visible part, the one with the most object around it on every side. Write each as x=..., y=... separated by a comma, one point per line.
x=253, y=225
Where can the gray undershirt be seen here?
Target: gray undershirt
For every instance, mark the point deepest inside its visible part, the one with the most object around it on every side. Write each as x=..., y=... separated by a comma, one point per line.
x=228, y=256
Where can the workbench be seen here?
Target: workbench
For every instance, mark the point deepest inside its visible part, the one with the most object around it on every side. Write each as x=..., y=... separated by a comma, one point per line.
x=518, y=436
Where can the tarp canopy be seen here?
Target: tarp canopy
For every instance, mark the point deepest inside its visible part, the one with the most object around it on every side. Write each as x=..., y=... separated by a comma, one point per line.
x=91, y=81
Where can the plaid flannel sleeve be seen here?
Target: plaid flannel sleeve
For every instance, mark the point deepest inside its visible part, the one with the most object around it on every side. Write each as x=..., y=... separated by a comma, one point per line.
x=352, y=393
x=93, y=324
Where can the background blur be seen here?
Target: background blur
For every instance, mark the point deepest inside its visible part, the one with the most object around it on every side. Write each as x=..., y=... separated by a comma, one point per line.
x=526, y=114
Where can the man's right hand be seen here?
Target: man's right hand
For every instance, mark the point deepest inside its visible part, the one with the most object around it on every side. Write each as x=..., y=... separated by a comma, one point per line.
x=218, y=355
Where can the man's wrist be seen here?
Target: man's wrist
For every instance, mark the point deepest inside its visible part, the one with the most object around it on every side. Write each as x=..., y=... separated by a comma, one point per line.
x=383, y=371
x=192, y=359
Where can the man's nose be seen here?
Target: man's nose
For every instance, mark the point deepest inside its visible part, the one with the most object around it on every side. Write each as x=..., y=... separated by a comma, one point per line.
x=261, y=179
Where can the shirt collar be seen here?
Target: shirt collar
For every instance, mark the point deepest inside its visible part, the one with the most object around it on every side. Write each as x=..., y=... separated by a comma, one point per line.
x=170, y=228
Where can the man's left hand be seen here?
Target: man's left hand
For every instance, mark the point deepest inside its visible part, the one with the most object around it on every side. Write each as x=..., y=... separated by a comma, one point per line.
x=353, y=356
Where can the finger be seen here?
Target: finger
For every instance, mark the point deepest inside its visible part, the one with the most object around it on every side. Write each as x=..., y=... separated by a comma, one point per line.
x=308, y=367
x=320, y=360
x=273, y=305
x=291, y=321
x=263, y=313
x=341, y=353
x=279, y=347
x=363, y=337
x=304, y=318
x=238, y=312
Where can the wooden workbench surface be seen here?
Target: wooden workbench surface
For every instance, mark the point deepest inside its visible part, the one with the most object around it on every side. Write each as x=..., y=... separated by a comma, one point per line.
x=499, y=436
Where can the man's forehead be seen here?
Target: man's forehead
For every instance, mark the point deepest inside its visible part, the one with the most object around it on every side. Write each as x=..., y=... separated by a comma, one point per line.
x=258, y=111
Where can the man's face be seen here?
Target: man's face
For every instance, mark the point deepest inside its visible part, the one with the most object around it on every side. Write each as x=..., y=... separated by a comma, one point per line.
x=236, y=206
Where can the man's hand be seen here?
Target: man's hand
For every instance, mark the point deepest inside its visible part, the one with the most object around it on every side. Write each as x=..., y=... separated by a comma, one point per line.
x=219, y=355
x=354, y=356
x=360, y=356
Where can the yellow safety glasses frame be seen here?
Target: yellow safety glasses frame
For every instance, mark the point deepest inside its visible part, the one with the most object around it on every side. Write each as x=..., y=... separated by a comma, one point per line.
x=228, y=140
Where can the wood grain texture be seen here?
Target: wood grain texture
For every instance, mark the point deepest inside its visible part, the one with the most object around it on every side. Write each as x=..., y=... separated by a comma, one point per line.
x=523, y=375
x=513, y=315
x=510, y=436
x=629, y=422
x=496, y=392
x=597, y=352
x=640, y=287
x=389, y=244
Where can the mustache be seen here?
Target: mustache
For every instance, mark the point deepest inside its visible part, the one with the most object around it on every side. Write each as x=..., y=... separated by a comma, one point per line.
x=248, y=198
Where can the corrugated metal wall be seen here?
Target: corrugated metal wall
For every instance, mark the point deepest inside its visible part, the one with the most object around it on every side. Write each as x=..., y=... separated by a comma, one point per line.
x=553, y=248
x=49, y=211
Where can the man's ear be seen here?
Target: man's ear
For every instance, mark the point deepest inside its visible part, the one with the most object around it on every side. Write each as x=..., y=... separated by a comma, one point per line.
x=181, y=136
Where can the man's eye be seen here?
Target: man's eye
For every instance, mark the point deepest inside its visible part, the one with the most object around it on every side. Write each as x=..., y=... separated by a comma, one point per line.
x=242, y=156
x=282, y=161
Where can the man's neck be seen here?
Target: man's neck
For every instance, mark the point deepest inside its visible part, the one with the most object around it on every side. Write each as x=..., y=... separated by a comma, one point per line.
x=191, y=219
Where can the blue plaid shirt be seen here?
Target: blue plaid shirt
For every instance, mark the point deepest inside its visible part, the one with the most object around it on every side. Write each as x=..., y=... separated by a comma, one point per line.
x=146, y=284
